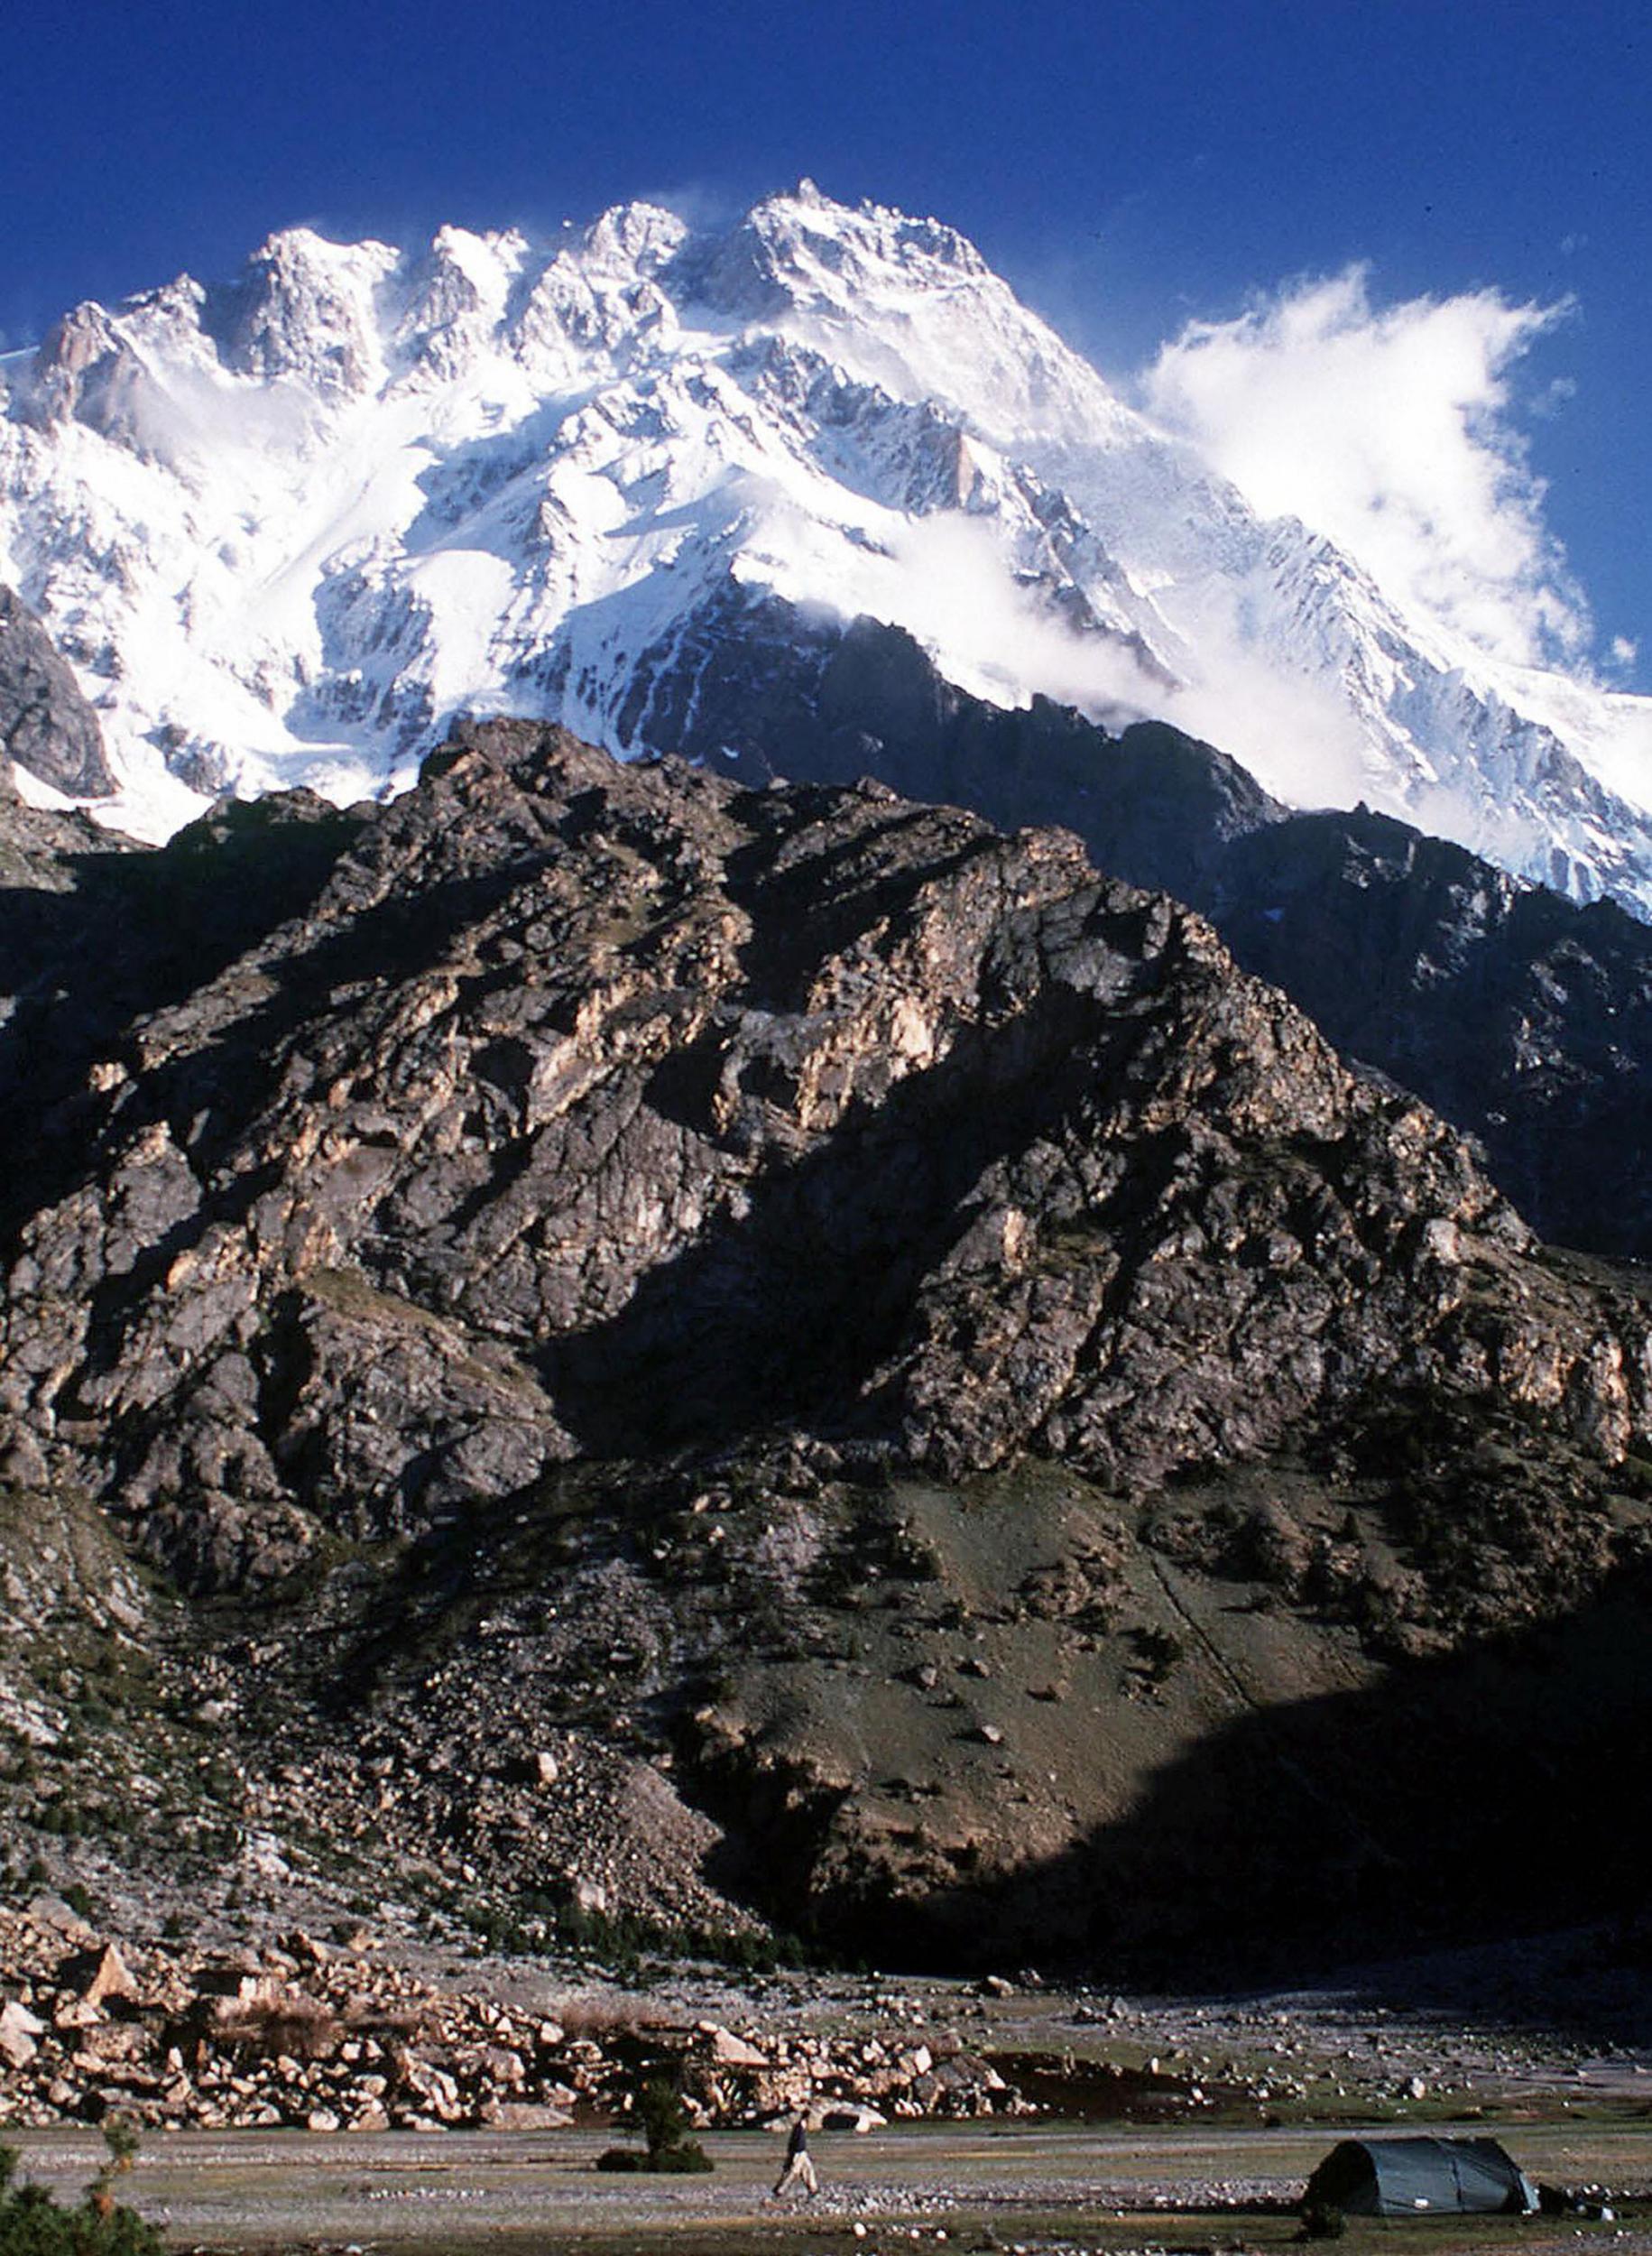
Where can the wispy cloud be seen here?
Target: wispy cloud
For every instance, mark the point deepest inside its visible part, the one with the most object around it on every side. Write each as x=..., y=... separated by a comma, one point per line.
x=999, y=640
x=1390, y=430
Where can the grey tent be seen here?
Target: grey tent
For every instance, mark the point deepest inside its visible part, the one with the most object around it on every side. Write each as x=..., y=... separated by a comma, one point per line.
x=1399, y=2177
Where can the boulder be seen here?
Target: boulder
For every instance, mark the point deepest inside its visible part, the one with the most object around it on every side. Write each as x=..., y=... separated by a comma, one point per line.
x=848, y=2117
x=109, y=1980
x=19, y=2030
x=727, y=2050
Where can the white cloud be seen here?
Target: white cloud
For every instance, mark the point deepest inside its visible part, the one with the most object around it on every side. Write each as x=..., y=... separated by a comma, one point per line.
x=997, y=641
x=952, y=592
x=1296, y=737
x=1388, y=430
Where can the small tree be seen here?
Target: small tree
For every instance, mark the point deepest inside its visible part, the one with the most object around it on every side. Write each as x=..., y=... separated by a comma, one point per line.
x=122, y=2141
x=663, y=2116
x=657, y=2106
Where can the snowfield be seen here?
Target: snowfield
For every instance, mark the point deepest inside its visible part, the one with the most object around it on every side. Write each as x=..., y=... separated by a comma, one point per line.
x=286, y=527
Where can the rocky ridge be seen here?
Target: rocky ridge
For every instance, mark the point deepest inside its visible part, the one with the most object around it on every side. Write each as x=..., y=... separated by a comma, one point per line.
x=679, y=1346
x=573, y=1076
x=1523, y=1018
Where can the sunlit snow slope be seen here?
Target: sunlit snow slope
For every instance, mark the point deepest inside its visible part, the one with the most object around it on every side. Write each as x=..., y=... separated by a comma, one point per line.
x=286, y=527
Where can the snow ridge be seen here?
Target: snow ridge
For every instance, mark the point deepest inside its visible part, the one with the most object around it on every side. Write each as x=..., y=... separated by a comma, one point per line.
x=286, y=527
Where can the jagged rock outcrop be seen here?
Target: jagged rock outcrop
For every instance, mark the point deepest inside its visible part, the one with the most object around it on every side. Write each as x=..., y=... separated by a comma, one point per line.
x=602, y=1234
x=587, y=1102
x=46, y=725
x=1523, y=1018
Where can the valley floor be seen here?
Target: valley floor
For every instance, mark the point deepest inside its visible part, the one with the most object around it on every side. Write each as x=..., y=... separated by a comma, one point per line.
x=970, y=2188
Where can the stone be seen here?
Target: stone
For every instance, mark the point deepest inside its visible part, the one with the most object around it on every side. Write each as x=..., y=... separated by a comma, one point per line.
x=858, y=2119
x=727, y=2050
x=110, y=1979
x=50, y=1911
x=19, y=2030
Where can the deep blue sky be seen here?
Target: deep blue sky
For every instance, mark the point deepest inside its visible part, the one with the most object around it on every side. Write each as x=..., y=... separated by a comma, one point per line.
x=1125, y=164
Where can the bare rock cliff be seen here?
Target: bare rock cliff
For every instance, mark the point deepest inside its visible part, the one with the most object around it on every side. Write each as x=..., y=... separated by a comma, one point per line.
x=592, y=1106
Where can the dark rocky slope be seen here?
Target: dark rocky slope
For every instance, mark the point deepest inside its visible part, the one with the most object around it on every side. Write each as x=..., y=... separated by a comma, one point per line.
x=686, y=1343
x=1523, y=1017
x=1518, y=1015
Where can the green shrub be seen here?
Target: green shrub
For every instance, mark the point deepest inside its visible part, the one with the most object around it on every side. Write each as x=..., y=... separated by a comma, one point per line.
x=661, y=2114
x=685, y=2160
x=664, y=2119
x=33, y=2223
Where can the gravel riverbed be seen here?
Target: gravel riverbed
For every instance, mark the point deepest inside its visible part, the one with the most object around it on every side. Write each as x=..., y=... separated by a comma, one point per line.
x=1036, y=2188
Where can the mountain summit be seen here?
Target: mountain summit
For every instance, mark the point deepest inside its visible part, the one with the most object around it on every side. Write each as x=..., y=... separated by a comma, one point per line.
x=285, y=528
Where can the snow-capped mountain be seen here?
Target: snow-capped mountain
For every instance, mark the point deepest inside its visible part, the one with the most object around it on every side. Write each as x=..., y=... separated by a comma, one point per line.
x=285, y=528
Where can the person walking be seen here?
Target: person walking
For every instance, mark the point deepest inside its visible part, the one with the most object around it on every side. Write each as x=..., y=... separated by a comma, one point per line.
x=800, y=2169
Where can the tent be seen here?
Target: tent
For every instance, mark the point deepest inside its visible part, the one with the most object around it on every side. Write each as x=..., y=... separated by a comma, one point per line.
x=1399, y=2177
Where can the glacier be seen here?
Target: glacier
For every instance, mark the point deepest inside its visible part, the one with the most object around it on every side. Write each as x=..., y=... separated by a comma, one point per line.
x=284, y=528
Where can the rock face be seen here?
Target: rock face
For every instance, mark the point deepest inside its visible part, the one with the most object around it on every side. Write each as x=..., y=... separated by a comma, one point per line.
x=594, y=1232
x=763, y=688
x=590, y=1103
x=1524, y=1019
x=46, y=725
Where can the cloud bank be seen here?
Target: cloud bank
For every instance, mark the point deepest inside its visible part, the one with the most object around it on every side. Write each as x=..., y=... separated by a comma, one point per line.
x=1388, y=430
